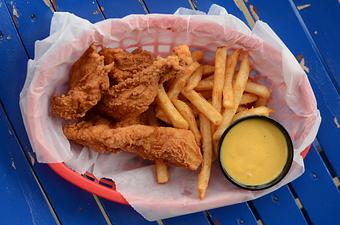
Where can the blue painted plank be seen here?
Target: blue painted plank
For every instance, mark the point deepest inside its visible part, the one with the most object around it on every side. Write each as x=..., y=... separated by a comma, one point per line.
x=87, y=9
x=32, y=20
x=123, y=214
x=72, y=205
x=291, y=32
x=204, y=5
x=22, y=201
x=156, y=6
x=194, y=218
x=233, y=215
x=317, y=191
x=116, y=9
x=279, y=208
x=323, y=28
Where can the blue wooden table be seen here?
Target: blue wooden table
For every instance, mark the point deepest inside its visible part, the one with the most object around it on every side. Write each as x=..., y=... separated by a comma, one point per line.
x=30, y=193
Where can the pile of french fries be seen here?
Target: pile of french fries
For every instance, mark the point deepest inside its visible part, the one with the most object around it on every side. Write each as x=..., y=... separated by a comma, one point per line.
x=206, y=99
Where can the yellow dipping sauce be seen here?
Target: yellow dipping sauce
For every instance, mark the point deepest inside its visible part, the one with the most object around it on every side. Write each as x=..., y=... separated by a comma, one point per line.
x=254, y=152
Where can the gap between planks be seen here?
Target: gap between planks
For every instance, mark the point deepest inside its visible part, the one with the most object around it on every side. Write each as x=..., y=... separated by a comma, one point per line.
x=106, y=217
x=10, y=127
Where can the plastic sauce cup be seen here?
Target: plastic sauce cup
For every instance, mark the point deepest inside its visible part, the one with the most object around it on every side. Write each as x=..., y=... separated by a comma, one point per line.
x=255, y=152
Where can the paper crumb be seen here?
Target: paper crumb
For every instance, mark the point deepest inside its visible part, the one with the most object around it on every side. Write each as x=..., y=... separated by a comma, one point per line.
x=49, y=5
x=253, y=12
x=337, y=124
x=316, y=32
x=302, y=63
x=31, y=158
x=13, y=165
x=301, y=7
x=15, y=11
x=15, y=15
x=101, y=8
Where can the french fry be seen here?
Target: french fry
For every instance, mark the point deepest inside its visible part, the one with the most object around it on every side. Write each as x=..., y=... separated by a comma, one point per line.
x=261, y=102
x=211, y=77
x=241, y=108
x=248, y=98
x=228, y=93
x=161, y=170
x=203, y=106
x=189, y=116
x=204, y=175
x=208, y=69
x=197, y=55
x=240, y=85
x=181, y=81
x=257, y=89
x=170, y=111
x=205, y=85
x=220, y=62
x=261, y=111
x=161, y=115
x=194, y=79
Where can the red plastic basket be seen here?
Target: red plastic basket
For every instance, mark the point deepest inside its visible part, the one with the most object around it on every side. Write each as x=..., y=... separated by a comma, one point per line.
x=104, y=188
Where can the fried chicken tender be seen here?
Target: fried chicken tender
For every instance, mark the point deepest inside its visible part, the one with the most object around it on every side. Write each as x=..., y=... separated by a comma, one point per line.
x=126, y=64
x=132, y=96
x=183, y=53
x=174, y=146
x=88, y=78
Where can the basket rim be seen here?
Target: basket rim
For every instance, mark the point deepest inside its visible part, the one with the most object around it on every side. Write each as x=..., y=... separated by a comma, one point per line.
x=98, y=189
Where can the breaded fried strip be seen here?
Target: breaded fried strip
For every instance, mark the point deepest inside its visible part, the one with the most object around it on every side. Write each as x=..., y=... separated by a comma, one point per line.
x=88, y=78
x=173, y=146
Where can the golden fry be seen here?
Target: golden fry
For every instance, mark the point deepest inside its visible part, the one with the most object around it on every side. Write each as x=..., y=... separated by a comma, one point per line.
x=205, y=85
x=257, y=89
x=204, y=175
x=228, y=93
x=170, y=111
x=161, y=115
x=220, y=62
x=194, y=79
x=248, y=98
x=203, y=106
x=211, y=77
x=197, y=55
x=161, y=170
x=261, y=102
x=240, y=85
x=181, y=81
x=189, y=116
x=261, y=111
x=208, y=69
x=241, y=108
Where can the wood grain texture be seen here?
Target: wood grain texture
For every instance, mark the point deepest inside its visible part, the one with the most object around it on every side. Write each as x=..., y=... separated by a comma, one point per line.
x=274, y=206
x=22, y=201
x=321, y=19
x=72, y=205
x=115, y=9
x=293, y=35
x=169, y=7
x=317, y=191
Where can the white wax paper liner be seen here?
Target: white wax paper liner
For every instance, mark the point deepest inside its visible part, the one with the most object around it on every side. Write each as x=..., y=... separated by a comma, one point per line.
x=292, y=99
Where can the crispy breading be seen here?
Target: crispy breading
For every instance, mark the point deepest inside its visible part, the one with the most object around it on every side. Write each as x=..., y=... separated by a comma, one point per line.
x=126, y=64
x=174, y=146
x=132, y=96
x=88, y=79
